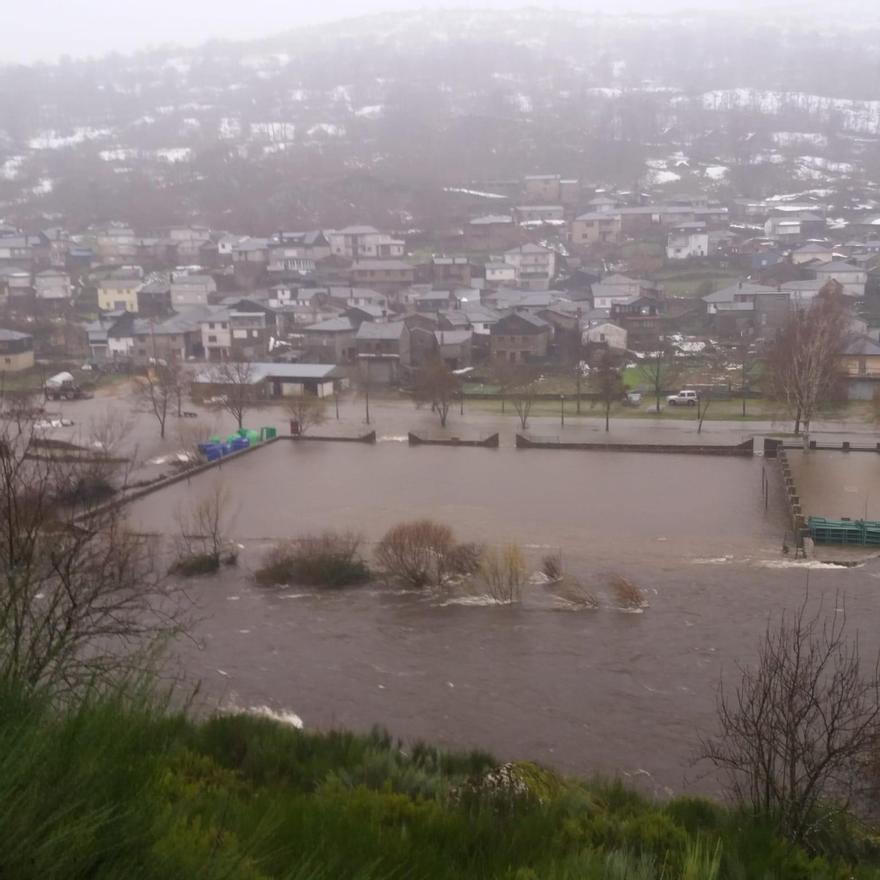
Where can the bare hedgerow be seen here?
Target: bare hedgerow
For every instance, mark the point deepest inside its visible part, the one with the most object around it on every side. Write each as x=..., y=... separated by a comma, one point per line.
x=627, y=594
x=504, y=571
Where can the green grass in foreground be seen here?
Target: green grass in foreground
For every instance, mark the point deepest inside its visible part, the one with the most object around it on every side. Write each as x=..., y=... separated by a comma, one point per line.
x=108, y=789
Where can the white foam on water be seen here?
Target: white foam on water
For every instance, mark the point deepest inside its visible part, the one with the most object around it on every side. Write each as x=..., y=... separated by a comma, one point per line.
x=283, y=716
x=809, y=564
x=294, y=596
x=475, y=601
x=394, y=438
x=715, y=560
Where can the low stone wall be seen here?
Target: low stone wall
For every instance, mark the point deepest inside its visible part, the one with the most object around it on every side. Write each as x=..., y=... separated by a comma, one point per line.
x=746, y=448
x=490, y=442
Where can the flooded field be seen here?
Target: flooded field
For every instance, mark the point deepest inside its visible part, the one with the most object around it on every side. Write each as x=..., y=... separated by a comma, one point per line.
x=837, y=484
x=583, y=690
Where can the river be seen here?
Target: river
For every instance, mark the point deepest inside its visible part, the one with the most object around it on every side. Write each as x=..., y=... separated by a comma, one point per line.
x=586, y=691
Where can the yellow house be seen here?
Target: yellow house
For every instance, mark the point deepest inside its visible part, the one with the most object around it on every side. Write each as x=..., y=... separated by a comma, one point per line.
x=860, y=364
x=118, y=294
x=16, y=351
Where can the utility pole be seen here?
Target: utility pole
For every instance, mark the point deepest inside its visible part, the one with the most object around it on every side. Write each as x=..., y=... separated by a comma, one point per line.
x=562, y=410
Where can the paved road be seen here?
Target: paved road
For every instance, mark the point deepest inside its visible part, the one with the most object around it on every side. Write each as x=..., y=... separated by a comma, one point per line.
x=393, y=417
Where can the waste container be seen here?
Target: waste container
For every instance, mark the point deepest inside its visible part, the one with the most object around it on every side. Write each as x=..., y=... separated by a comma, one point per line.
x=268, y=433
x=294, y=427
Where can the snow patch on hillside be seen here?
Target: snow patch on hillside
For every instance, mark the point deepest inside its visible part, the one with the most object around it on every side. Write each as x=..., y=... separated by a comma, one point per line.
x=858, y=116
x=52, y=140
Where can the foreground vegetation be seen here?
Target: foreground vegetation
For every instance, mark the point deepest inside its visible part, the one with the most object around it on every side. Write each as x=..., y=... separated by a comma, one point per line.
x=116, y=787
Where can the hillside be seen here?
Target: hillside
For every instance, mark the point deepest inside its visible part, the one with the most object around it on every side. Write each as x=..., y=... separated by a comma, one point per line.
x=372, y=118
x=112, y=789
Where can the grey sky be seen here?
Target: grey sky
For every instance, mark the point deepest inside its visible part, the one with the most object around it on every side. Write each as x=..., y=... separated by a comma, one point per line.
x=42, y=30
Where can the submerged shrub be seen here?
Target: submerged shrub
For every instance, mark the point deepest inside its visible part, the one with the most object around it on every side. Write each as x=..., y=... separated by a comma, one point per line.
x=328, y=559
x=627, y=594
x=417, y=554
x=551, y=566
x=504, y=571
x=194, y=564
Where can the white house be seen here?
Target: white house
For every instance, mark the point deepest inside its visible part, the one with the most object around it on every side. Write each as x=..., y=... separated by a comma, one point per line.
x=359, y=242
x=813, y=250
x=853, y=278
x=500, y=273
x=216, y=334
x=687, y=241
x=606, y=333
x=535, y=265
x=52, y=284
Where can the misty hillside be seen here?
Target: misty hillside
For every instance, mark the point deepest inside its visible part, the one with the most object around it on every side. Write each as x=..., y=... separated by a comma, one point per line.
x=372, y=119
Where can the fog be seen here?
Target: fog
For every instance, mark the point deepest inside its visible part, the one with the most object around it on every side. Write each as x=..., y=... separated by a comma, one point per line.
x=45, y=30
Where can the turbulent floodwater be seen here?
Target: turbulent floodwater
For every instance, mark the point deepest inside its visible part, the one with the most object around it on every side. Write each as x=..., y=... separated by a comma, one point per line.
x=583, y=690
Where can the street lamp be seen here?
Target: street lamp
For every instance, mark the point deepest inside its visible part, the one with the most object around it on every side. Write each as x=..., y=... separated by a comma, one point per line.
x=562, y=410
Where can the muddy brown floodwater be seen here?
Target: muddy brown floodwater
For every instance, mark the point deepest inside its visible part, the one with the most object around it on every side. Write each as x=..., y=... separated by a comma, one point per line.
x=586, y=691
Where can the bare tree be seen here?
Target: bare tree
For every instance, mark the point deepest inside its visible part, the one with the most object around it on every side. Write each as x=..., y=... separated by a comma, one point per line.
x=803, y=363
x=436, y=384
x=81, y=598
x=159, y=390
x=203, y=540
x=307, y=411
x=607, y=382
x=523, y=390
x=799, y=725
x=239, y=387
x=660, y=371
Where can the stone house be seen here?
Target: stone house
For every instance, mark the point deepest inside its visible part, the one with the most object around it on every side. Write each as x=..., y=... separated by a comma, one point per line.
x=382, y=350
x=520, y=338
x=860, y=365
x=331, y=341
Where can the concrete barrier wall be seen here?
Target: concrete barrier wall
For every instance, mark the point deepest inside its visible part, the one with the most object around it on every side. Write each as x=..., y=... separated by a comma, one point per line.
x=491, y=442
x=746, y=448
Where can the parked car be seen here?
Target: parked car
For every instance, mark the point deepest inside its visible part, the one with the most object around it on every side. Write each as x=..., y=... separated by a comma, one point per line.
x=683, y=398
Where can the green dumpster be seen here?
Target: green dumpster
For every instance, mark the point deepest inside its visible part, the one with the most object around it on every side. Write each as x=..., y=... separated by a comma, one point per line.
x=253, y=436
x=268, y=433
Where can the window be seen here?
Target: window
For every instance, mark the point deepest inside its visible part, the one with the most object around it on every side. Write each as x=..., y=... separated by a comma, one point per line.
x=7, y=360
x=212, y=339
x=863, y=366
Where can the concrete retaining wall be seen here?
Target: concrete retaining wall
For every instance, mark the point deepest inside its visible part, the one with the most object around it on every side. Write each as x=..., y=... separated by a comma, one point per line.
x=741, y=449
x=490, y=442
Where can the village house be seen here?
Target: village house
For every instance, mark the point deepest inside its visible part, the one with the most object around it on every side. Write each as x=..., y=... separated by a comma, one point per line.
x=112, y=242
x=499, y=273
x=813, y=251
x=687, y=241
x=364, y=242
x=52, y=285
x=15, y=284
x=618, y=288
x=596, y=227
x=450, y=271
x=382, y=350
x=520, y=338
x=550, y=189
x=384, y=275
x=216, y=334
x=331, y=341
x=348, y=297
x=154, y=298
x=16, y=351
x=793, y=225
x=853, y=278
x=187, y=241
x=606, y=333
x=492, y=232
x=250, y=257
x=860, y=364
x=115, y=294
x=191, y=290
x=535, y=215
x=535, y=265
